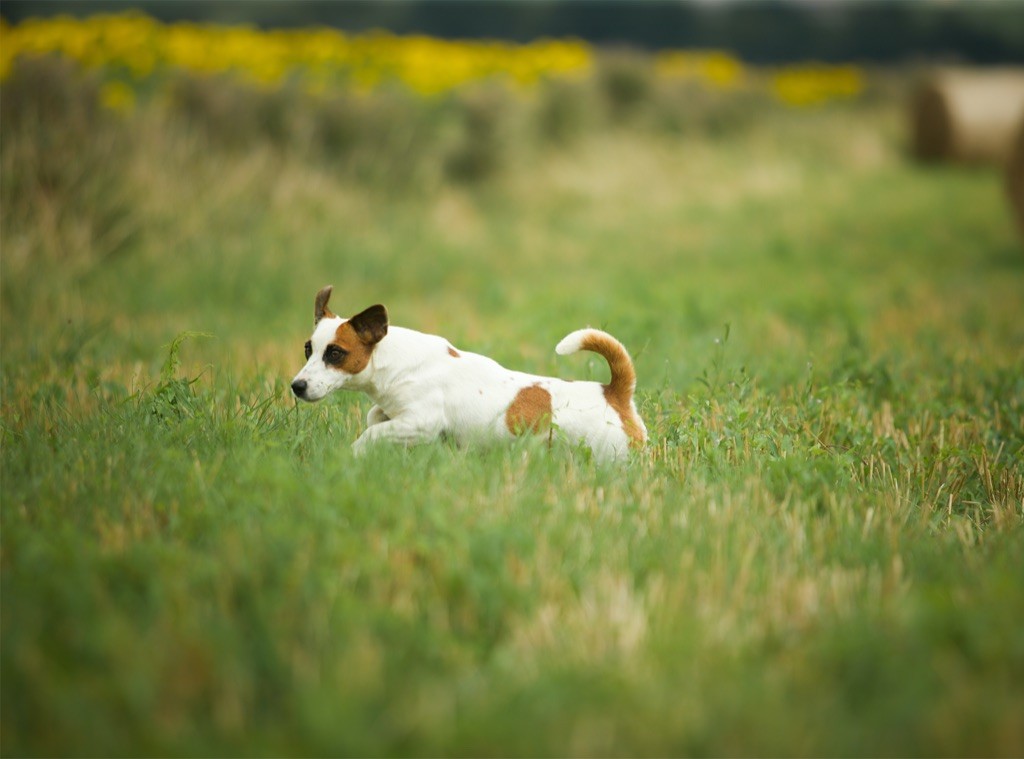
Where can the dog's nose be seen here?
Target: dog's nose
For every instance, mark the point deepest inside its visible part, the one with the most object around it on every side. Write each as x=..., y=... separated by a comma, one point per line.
x=299, y=388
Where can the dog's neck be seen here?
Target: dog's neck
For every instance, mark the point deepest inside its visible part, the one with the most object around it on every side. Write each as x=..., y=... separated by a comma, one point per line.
x=390, y=375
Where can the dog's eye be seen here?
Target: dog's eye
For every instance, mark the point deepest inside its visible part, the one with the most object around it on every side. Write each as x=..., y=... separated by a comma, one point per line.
x=334, y=354
x=309, y=349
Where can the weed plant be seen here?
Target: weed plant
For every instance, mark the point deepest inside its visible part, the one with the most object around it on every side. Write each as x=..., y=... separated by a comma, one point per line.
x=64, y=163
x=819, y=553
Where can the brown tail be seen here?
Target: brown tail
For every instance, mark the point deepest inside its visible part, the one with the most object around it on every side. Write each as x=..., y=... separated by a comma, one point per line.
x=619, y=390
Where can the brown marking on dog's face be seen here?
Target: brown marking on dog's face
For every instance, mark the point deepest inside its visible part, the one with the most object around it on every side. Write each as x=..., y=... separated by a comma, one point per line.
x=453, y=353
x=346, y=352
x=530, y=411
x=354, y=340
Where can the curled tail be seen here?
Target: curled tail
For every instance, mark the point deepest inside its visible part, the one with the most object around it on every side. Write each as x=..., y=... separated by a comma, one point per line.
x=619, y=390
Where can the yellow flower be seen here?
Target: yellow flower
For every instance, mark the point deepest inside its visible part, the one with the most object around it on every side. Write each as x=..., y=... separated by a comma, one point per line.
x=816, y=83
x=117, y=96
x=713, y=69
x=136, y=47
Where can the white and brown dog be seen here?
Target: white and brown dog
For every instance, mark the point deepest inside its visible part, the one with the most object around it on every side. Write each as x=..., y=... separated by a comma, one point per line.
x=422, y=387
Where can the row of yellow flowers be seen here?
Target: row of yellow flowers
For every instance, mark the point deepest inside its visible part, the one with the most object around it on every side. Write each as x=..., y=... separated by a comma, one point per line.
x=139, y=46
x=135, y=47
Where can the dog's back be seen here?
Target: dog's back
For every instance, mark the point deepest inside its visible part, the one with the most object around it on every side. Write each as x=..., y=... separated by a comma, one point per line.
x=489, y=400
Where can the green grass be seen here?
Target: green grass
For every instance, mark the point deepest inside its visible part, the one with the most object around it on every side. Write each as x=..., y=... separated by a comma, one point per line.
x=820, y=552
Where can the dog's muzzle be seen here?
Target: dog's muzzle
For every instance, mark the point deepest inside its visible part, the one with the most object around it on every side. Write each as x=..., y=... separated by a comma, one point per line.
x=299, y=388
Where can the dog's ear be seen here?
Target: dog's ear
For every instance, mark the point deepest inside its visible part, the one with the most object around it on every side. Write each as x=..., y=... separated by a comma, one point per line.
x=371, y=325
x=320, y=309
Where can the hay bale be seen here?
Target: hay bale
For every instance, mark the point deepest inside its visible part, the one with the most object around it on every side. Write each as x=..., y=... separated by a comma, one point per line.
x=969, y=116
x=1015, y=178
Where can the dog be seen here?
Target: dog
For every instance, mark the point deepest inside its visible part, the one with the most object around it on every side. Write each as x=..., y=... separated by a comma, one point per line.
x=423, y=388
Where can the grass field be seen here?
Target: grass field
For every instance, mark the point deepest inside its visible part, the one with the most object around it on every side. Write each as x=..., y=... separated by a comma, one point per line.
x=819, y=553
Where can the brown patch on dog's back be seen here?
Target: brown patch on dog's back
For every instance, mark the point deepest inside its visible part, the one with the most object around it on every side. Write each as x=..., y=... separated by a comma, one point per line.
x=530, y=411
x=453, y=353
x=358, y=352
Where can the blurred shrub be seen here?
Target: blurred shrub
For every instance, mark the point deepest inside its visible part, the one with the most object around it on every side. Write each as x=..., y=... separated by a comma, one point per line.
x=224, y=111
x=626, y=80
x=566, y=110
x=704, y=91
x=340, y=124
x=65, y=162
x=687, y=107
x=714, y=69
x=400, y=141
x=489, y=132
x=387, y=137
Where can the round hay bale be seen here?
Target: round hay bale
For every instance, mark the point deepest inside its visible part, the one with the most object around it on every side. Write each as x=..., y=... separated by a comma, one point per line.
x=1015, y=178
x=969, y=116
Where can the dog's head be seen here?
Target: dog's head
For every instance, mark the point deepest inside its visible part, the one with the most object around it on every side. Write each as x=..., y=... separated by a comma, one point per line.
x=339, y=349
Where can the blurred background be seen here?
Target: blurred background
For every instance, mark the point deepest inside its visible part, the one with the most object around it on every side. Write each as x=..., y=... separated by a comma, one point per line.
x=415, y=92
x=798, y=216
x=760, y=32
x=437, y=152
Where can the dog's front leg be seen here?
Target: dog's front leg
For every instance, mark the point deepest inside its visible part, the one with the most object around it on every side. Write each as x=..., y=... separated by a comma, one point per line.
x=376, y=415
x=403, y=430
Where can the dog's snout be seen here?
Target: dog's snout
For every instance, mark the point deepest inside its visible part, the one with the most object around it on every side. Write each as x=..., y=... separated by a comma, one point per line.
x=299, y=388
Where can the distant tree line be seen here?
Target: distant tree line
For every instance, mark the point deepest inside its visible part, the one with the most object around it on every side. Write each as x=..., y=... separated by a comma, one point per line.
x=774, y=31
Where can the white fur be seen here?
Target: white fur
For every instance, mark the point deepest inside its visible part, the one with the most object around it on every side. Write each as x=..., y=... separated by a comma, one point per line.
x=572, y=342
x=419, y=391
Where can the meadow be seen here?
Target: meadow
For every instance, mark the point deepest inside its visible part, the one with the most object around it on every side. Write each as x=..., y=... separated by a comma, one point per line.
x=818, y=553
